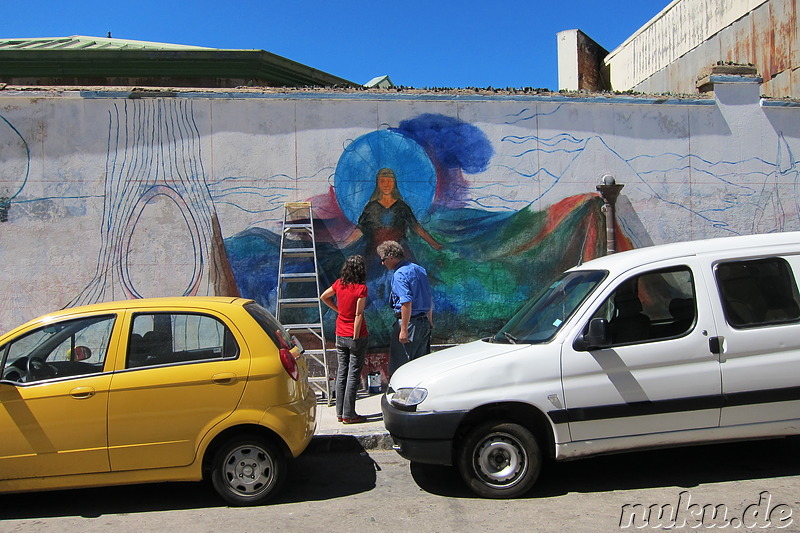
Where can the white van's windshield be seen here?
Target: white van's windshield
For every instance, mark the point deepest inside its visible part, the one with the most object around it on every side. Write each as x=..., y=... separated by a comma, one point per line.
x=540, y=319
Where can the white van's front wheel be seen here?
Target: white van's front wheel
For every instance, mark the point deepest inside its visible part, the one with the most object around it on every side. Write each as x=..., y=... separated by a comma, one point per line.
x=500, y=460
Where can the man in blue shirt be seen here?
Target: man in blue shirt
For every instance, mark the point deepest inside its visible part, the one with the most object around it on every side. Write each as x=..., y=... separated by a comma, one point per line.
x=412, y=303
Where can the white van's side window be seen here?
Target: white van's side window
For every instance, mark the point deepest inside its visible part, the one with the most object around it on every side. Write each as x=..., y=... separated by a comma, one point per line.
x=758, y=292
x=652, y=306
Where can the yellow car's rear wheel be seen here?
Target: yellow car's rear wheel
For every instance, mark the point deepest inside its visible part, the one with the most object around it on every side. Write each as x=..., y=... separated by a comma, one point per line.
x=248, y=470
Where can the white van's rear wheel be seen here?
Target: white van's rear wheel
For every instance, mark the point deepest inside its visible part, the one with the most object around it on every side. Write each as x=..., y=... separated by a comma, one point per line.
x=500, y=460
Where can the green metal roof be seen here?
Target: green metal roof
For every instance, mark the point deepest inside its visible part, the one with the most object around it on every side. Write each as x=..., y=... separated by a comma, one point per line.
x=79, y=60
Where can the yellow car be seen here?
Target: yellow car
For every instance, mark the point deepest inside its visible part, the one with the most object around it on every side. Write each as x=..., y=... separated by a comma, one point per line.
x=153, y=390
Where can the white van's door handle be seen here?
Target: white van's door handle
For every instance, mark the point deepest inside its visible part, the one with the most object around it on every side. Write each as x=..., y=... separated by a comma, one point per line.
x=715, y=345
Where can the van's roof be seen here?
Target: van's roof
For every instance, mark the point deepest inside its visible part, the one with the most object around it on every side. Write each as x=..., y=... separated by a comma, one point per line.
x=748, y=245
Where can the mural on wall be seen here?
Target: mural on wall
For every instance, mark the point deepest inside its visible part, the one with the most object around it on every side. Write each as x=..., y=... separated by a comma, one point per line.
x=493, y=206
x=157, y=206
x=407, y=184
x=16, y=165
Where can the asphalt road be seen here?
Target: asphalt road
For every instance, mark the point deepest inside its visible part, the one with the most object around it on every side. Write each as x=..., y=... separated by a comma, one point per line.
x=345, y=488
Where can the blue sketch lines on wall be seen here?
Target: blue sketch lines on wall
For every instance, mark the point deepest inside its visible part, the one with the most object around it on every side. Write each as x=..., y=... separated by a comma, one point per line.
x=722, y=195
x=259, y=199
x=157, y=211
x=16, y=158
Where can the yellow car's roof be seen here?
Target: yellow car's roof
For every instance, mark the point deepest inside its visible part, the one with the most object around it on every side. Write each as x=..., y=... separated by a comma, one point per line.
x=171, y=302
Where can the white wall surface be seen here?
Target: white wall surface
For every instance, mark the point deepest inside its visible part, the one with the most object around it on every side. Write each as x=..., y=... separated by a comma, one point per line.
x=112, y=197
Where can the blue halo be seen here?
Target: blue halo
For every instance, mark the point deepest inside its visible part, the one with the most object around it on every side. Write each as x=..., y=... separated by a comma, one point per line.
x=354, y=180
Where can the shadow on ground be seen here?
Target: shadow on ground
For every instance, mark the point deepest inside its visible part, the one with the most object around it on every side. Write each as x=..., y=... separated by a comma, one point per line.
x=682, y=467
x=337, y=467
x=330, y=468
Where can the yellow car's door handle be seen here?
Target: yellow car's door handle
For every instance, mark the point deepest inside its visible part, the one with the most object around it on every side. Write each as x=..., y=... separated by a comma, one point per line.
x=82, y=393
x=224, y=378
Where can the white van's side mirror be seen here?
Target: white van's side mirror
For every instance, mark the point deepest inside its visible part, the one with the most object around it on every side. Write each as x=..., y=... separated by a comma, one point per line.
x=597, y=336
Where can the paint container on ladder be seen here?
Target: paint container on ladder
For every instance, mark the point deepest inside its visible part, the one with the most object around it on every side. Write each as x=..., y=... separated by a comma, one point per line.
x=374, y=382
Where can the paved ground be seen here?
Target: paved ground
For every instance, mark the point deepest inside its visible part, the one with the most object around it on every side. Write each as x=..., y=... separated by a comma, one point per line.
x=348, y=479
x=371, y=435
x=348, y=489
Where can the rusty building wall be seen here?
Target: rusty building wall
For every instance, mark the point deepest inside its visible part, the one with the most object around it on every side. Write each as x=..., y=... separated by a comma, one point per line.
x=668, y=54
x=590, y=62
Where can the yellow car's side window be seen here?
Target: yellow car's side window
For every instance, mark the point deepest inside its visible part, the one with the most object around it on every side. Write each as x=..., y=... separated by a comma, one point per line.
x=169, y=338
x=63, y=349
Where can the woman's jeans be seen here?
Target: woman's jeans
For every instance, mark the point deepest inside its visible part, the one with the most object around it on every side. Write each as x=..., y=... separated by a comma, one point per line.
x=348, y=378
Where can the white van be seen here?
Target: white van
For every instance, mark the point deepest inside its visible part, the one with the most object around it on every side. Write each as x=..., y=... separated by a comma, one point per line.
x=680, y=343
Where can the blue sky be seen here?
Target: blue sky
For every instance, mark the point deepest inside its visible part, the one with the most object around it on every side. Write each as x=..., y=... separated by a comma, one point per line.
x=418, y=43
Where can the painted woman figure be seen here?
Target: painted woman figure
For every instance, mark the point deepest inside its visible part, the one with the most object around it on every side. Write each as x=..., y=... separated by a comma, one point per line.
x=387, y=217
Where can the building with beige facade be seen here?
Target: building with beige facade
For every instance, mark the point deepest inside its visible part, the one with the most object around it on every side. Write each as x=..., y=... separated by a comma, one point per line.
x=687, y=41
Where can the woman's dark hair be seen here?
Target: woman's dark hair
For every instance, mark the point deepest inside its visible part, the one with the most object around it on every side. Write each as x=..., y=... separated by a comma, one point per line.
x=354, y=270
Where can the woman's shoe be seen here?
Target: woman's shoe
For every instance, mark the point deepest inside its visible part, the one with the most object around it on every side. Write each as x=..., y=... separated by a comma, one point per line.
x=339, y=418
x=358, y=419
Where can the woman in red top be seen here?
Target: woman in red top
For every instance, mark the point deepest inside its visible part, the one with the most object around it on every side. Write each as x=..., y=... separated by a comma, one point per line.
x=350, y=292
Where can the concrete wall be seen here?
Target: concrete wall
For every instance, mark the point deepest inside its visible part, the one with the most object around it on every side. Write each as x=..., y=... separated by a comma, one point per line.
x=669, y=53
x=110, y=196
